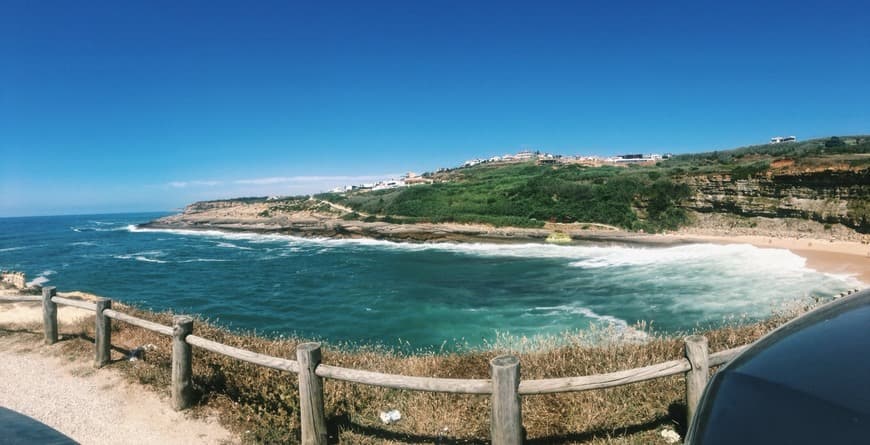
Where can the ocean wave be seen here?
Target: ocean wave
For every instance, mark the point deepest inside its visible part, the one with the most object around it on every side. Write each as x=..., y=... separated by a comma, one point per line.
x=576, y=310
x=687, y=254
x=141, y=256
x=42, y=278
x=83, y=243
x=586, y=256
x=233, y=246
x=97, y=229
x=533, y=250
x=149, y=260
x=733, y=259
x=619, y=329
x=11, y=249
x=203, y=260
x=245, y=236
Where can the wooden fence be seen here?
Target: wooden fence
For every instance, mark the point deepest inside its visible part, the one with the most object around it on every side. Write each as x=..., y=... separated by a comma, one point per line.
x=504, y=387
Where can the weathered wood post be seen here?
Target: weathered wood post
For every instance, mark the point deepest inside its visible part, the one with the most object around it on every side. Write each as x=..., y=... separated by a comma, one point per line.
x=311, y=395
x=182, y=386
x=696, y=378
x=506, y=424
x=49, y=314
x=102, y=334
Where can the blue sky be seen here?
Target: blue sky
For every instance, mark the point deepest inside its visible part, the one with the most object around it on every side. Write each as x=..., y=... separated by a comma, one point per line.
x=129, y=106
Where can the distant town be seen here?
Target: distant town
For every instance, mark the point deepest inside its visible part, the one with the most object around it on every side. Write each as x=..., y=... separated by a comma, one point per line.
x=523, y=156
x=539, y=157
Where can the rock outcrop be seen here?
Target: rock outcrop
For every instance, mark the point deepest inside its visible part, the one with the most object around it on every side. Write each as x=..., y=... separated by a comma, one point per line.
x=827, y=196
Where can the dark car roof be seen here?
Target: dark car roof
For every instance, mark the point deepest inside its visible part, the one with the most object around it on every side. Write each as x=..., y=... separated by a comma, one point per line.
x=807, y=382
x=18, y=429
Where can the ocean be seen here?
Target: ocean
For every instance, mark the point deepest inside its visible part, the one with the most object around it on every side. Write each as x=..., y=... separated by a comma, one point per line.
x=410, y=296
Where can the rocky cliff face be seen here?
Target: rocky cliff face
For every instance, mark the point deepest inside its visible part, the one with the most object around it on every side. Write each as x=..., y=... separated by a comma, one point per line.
x=829, y=196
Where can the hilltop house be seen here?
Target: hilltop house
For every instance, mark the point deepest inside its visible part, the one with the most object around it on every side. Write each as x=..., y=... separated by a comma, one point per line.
x=781, y=139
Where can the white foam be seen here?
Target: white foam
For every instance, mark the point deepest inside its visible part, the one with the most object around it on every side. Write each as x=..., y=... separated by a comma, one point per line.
x=38, y=281
x=149, y=260
x=586, y=312
x=529, y=250
x=588, y=257
x=735, y=268
x=732, y=260
x=42, y=278
x=10, y=249
x=141, y=256
x=233, y=246
x=203, y=260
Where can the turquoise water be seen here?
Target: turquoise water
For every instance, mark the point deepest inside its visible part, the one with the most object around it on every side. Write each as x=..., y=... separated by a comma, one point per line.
x=367, y=291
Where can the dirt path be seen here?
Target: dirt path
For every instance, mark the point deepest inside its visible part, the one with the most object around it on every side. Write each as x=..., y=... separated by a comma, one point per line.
x=340, y=207
x=91, y=406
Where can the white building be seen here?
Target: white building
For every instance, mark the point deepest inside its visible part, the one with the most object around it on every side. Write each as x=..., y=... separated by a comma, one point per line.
x=391, y=184
x=781, y=139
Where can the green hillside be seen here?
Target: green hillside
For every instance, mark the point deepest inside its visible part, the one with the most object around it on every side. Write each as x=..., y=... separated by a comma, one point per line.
x=648, y=198
x=528, y=195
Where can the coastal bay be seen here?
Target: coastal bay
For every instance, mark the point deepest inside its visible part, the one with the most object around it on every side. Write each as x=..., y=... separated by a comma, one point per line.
x=837, y=250
x=429, y=295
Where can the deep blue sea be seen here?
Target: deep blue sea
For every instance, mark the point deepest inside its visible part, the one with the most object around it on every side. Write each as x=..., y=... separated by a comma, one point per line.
x=414, y=295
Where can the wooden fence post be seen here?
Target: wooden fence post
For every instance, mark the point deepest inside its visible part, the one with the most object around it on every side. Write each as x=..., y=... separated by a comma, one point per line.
x=696, y=378
x=182, y=386
x=506, y=424
x=311, y=395
x=49, y=315
x=102, y=334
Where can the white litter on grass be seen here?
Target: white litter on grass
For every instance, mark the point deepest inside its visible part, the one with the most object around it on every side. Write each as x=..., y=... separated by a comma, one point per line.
x=391, y=416
x=670, y=435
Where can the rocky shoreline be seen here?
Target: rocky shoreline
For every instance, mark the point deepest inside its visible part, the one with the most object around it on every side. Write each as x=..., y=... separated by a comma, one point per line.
x=420, y=232
x=332, y=223
x=319, y=227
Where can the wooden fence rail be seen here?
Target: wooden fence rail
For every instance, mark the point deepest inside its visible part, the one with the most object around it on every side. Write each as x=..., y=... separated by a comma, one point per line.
x=505, y=387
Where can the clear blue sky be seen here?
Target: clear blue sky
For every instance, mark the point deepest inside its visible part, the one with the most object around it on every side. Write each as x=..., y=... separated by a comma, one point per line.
x=125, y=106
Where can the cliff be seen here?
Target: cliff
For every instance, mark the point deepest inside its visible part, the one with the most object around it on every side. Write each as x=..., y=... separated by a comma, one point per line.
x=827, y=196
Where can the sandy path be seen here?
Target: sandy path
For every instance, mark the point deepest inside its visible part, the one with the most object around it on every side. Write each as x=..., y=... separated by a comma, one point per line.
x=90, y=406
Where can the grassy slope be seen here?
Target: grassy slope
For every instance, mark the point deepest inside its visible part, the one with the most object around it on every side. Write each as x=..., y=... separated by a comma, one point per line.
x=528, y=195
x=635, y=198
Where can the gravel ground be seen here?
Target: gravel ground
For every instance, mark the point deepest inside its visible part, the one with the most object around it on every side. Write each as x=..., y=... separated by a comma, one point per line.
x=92, y=406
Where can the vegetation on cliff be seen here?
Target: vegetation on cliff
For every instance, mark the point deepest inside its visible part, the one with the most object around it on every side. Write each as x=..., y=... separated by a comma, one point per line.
x=528, y=195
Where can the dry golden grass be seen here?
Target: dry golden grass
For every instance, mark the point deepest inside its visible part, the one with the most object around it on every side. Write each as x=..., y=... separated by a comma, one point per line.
x=262, y=404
